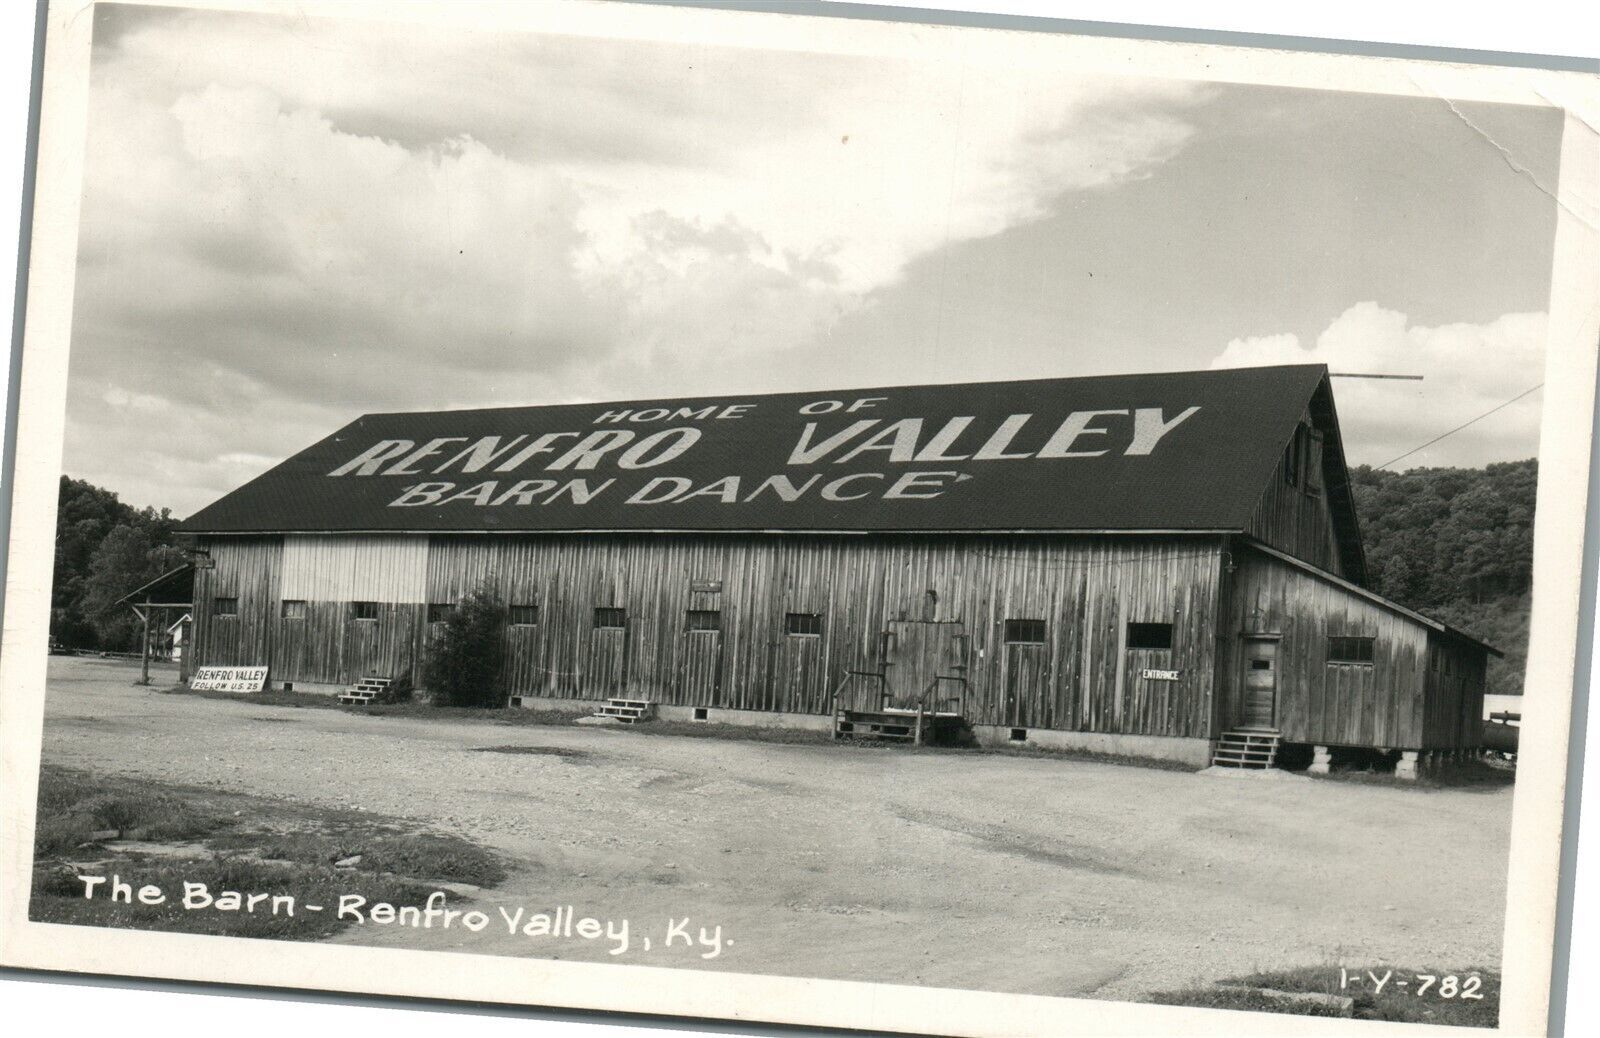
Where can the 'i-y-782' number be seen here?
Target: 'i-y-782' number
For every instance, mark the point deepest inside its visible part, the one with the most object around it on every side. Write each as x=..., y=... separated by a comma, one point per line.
x=1421, y=985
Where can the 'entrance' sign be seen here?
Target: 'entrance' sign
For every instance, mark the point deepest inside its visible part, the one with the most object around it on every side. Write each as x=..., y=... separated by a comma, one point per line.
x=1159, y=675
x=229, y=679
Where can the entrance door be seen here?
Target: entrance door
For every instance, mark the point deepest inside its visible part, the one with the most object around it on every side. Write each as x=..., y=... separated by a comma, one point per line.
x=1259, y=708
x=921, y=651
x=700, y=659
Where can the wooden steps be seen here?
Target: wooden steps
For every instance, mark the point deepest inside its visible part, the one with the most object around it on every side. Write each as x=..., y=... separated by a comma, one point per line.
x=884, y=725
x=1249, y=748
x=628, y=711
x=894, y=725
x=366, y=690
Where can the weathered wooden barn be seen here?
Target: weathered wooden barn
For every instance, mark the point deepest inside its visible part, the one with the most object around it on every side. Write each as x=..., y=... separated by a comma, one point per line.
x=1165, y=565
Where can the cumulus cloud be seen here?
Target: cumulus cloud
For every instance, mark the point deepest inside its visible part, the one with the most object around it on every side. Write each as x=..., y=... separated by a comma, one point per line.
x=288, y=222
x=1467, y=370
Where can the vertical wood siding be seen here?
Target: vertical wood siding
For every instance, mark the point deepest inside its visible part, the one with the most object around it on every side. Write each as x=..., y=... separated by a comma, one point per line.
x=355, y=568
x=1423, y=690
x=1393, y=703
x=330, y=645
x=1085, y=590
x=247, y=569
x=1298, y=523
x=330, y=574
x=1457, y=673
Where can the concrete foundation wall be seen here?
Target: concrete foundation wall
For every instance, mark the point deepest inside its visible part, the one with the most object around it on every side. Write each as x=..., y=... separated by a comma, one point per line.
x=1196, y=752
x=713, y=715
x=315, y=688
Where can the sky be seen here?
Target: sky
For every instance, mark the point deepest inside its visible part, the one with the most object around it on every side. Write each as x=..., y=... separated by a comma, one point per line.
x=288, y=223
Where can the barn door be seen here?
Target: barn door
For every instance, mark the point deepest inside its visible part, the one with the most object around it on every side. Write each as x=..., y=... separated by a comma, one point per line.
x=606, y=674
x=700, y=658
x=1258, y=707
x=360, y=657
x=921, y=651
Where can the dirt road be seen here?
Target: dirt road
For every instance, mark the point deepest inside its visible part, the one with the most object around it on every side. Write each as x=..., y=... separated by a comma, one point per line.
x=1047, y=876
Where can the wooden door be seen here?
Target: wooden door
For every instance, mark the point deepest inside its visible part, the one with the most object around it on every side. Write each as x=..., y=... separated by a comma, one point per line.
x=700, y=659
x=920, y=651
x=1025, y=679
x=605, y=674
x=799, y=680
x=359, y=657
x=1258, y=706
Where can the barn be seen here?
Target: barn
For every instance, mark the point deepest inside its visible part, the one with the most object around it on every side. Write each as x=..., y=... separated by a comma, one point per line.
x=1159, y=565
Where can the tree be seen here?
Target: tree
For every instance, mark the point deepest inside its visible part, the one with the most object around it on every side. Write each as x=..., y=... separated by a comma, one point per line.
x=463, y=663
x=126, y=559
x=104, y=549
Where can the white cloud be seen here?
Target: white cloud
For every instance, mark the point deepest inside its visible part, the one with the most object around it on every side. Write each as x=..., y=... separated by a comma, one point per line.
x=289, y=222
x=1467, y=370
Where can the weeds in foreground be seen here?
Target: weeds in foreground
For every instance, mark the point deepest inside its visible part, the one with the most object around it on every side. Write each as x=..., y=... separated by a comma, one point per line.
x=1459, y=1003
x=157, y=834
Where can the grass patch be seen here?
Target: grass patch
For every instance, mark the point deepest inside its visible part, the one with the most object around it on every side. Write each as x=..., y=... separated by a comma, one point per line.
x=76, y=809
x=423, y=711
x=171, y=834
x=267, y=697
x=1475, y=776
x=1119, y=759
x=564, y=752
x=811, y=737
x=509, y=715
x=1393, y=1003
x=739, y=732
x=428, y=856
x=522, y=716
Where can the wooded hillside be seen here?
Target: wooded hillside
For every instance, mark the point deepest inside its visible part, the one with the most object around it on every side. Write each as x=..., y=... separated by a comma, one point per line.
x=1456, y=544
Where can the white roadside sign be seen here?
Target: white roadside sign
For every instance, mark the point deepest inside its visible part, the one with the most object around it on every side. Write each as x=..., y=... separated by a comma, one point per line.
x=229, y=679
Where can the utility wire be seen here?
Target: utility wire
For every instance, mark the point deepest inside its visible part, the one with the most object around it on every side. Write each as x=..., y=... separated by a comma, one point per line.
x=1458, y=428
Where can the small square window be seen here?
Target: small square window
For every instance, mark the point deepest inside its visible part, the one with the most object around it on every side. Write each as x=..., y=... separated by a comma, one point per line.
x=1356, y=651
x=802, y=625
x=703, y=620
x=293, y=609
x=1025, y=632
x=1149, y=636
x=610, y=618
x=438, y=612
x=364, y=610
x=224, y=607
x=523, y=616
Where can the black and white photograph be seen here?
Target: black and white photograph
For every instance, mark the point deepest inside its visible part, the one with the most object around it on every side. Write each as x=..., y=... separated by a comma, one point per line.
x=806, y=520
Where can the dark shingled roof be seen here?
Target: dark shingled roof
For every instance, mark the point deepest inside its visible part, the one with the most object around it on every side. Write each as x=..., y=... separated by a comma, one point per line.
x=1207, y=472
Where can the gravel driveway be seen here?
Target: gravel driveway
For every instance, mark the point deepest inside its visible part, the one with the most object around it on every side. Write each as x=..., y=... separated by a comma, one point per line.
x=1040, y=875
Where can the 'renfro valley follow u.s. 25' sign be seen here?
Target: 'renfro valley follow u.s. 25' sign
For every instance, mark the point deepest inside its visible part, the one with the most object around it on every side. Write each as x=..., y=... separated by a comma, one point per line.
x=1120, y=452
